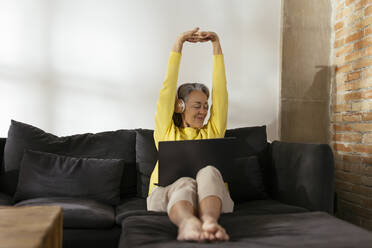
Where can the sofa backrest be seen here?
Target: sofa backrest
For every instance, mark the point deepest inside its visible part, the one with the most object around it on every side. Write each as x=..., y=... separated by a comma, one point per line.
x=119, y=144
x=141, y=156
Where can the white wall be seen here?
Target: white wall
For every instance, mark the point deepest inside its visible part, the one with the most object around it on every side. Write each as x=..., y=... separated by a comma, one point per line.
x=76, y=66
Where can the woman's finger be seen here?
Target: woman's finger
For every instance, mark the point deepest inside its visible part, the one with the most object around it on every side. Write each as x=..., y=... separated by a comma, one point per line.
x=194, y=30
x=207, y=38
x=192, y=40
x=191, y=34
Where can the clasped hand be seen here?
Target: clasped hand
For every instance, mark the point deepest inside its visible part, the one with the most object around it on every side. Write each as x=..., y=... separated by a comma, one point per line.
x=195, y=36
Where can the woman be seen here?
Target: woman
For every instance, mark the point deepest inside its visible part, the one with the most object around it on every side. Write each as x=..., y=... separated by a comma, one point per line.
x=194, y=205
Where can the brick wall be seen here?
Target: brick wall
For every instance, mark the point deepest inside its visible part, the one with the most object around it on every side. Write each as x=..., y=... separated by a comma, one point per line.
x=351, y=109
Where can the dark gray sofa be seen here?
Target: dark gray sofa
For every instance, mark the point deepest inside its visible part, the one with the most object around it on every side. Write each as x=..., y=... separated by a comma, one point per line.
x=298, y=187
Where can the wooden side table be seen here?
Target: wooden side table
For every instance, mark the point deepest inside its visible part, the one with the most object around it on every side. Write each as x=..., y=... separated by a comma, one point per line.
x=32, y=226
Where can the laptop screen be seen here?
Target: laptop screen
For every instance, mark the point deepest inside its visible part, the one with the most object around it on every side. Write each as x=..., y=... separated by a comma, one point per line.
x=184, y=158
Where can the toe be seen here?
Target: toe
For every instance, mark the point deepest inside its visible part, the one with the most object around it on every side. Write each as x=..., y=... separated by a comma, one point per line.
x=195, y=236
x=227, y=237
x=205, y=235
x=180, y=237
x=211, y=237
x=220, y=235
x=210, y=227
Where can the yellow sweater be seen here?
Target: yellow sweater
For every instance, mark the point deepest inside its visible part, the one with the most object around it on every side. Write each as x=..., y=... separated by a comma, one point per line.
x=166, y=130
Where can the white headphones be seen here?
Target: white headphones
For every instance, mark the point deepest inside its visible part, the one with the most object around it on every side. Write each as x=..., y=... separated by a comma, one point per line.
x=179, y=106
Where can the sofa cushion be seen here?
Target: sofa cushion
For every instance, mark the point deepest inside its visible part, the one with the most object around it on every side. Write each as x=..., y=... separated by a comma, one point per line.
x=50, y=175
x=136, y=206
x=253, y=141
x=8, y=182
x=92, y=238
x=78, y=212
x=247, y=180
x=118, y=144
x=266, y=207
x=308, y=229
x=2, y=146
x=146, y=157
x=5, y=200
x=128, y=207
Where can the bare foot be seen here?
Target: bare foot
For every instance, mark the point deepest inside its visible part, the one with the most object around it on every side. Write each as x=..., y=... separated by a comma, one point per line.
x=213, y=231
x=190, y=229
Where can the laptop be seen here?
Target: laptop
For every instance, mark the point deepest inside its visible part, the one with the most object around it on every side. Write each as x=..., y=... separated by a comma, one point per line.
x=184, y=158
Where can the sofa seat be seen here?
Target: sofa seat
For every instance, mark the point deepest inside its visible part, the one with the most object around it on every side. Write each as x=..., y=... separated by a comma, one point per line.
x=266, y=207
x=130, y=206
x=5, y=200
x=92, y=238
x=137, y=206
x=78, y=212
x=306, y=229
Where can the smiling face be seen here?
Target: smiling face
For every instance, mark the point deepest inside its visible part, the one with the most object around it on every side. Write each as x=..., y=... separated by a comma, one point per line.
x=196, y=109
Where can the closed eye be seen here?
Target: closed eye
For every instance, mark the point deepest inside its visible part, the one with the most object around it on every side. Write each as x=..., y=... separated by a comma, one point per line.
x=198, y=106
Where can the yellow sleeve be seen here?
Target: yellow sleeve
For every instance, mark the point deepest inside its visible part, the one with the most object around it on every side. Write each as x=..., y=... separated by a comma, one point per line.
x=217, y=122
x=167, y=97
x=165, y=108
x=154, y=178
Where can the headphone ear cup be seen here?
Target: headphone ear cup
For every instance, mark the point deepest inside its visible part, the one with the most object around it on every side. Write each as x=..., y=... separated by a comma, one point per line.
x=179, y=106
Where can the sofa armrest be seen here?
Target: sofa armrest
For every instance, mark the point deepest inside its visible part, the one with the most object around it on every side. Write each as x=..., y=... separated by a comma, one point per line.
x=2, y=146
x=302, y=174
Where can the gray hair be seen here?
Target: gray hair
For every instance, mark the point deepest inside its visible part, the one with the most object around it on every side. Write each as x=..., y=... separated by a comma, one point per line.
x=183, y=93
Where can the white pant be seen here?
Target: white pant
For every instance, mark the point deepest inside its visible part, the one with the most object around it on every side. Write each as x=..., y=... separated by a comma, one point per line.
x=208, y=182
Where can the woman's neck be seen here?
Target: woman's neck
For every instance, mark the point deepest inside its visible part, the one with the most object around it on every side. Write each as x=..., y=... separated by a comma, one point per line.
x=185, y=124
x=196, y=128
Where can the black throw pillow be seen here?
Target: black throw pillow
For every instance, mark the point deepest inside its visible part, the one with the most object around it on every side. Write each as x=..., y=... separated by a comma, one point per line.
x=50, y=175
x=119, y=144
x=252, y=141
x=146, y=157
x=247, y=183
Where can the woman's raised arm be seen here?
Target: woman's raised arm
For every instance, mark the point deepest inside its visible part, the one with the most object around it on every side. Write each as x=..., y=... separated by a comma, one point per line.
x=213, y=37
x=217, y=122
x=167, y=97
